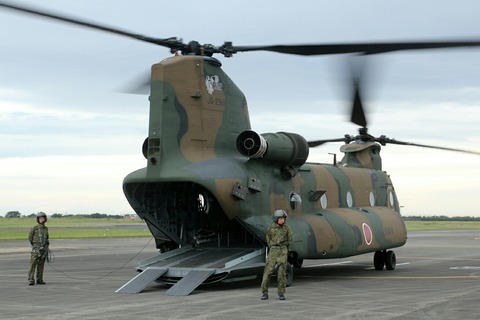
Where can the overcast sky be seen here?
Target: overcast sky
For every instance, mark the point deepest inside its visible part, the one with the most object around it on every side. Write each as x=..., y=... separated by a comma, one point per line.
x=68, y=135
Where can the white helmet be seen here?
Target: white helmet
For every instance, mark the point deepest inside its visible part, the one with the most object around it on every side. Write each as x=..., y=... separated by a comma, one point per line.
x=279, y=214
x=41, y=214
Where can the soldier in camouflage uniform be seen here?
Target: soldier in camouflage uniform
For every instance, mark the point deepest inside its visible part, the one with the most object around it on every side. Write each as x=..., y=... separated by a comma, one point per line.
x=279, y=238
x=38, y=238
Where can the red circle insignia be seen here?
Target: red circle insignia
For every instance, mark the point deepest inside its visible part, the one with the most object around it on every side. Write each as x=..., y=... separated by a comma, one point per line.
x=367, y=233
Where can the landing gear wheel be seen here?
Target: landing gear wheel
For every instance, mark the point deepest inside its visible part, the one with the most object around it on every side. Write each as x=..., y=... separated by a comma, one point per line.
x=390, y=260
x=297, y=263
x=289, y=272
x=379, y=260
x=293, y=259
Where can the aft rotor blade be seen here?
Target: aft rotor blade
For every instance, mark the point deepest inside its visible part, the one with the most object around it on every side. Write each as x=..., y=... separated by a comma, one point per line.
x=228, y=49
x=393, y=141
x=172, y=43
x=367, y=48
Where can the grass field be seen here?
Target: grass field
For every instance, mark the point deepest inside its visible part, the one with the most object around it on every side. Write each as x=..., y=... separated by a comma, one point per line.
x=443, y=225
x=78, y=227
x=75, y=228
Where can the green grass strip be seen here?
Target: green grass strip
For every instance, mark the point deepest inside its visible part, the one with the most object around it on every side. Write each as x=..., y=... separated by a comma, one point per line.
x=80, y=228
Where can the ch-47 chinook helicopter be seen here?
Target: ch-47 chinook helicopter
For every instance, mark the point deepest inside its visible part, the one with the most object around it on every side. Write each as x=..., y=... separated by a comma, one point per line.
x=211, y=183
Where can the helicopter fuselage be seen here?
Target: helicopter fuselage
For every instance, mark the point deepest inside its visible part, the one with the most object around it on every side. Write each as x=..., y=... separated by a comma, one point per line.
x=210, y=180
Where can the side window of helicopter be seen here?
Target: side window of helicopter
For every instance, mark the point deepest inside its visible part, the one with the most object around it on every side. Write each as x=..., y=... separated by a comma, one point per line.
x=371, y=199
x=295, y=200
x=391, y=199
x=349, y=199
x=324, y=201
x=203, y=205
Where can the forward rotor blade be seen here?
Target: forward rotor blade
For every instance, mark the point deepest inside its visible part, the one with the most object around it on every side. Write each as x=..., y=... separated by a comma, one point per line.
x=172, y=43
x=358, y=114
x=317, y=143
x=393, y=141
x=140, y=85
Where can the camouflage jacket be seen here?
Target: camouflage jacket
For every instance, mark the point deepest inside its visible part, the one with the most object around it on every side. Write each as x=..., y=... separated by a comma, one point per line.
x=38, y=236
x=279, y=235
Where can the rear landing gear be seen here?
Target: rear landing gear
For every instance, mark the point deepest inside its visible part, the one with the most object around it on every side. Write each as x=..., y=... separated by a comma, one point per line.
x=386, y=259
x=289, y=273
x=293, y=259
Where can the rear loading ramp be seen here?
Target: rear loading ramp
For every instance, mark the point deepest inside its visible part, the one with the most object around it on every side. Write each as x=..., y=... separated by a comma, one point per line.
x=187, y=268
x=141, y=281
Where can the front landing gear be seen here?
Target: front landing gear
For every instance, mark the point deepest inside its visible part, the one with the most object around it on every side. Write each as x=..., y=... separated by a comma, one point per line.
x=386, y=259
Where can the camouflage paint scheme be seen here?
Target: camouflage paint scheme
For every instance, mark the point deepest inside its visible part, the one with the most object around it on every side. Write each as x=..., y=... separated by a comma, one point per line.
x=197, y=188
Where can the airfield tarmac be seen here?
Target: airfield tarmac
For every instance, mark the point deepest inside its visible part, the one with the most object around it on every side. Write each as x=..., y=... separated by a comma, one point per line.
x=437, y=277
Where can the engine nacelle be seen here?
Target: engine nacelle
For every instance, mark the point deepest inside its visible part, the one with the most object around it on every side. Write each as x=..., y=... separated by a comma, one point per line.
x=282, y=149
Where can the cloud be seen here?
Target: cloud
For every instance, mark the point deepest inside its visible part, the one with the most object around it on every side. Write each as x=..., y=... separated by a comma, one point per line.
x=59, y=111
x=66, y=184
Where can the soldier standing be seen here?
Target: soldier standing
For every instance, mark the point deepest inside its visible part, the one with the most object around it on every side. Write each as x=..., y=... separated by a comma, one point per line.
x=38, y=238
x=279, y=238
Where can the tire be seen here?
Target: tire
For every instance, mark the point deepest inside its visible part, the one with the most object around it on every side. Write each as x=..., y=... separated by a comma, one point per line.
x=379, y=260
x=289, y=274
x=390, y=260
x=297, y=263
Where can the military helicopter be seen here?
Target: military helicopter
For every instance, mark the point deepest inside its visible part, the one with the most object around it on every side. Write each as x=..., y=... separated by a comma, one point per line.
x=211, y=183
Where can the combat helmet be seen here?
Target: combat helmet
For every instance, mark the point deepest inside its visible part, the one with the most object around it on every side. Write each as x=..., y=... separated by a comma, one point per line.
x=279, y=214
x=41, y=214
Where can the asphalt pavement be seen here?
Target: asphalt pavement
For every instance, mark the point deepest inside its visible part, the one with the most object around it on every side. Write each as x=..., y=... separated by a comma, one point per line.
x=437, y=277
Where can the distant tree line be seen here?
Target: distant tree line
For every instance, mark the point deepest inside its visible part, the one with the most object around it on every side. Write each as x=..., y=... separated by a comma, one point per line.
x=440, y=218
x=91, y=216
x=13, y=214
x=17, y=214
